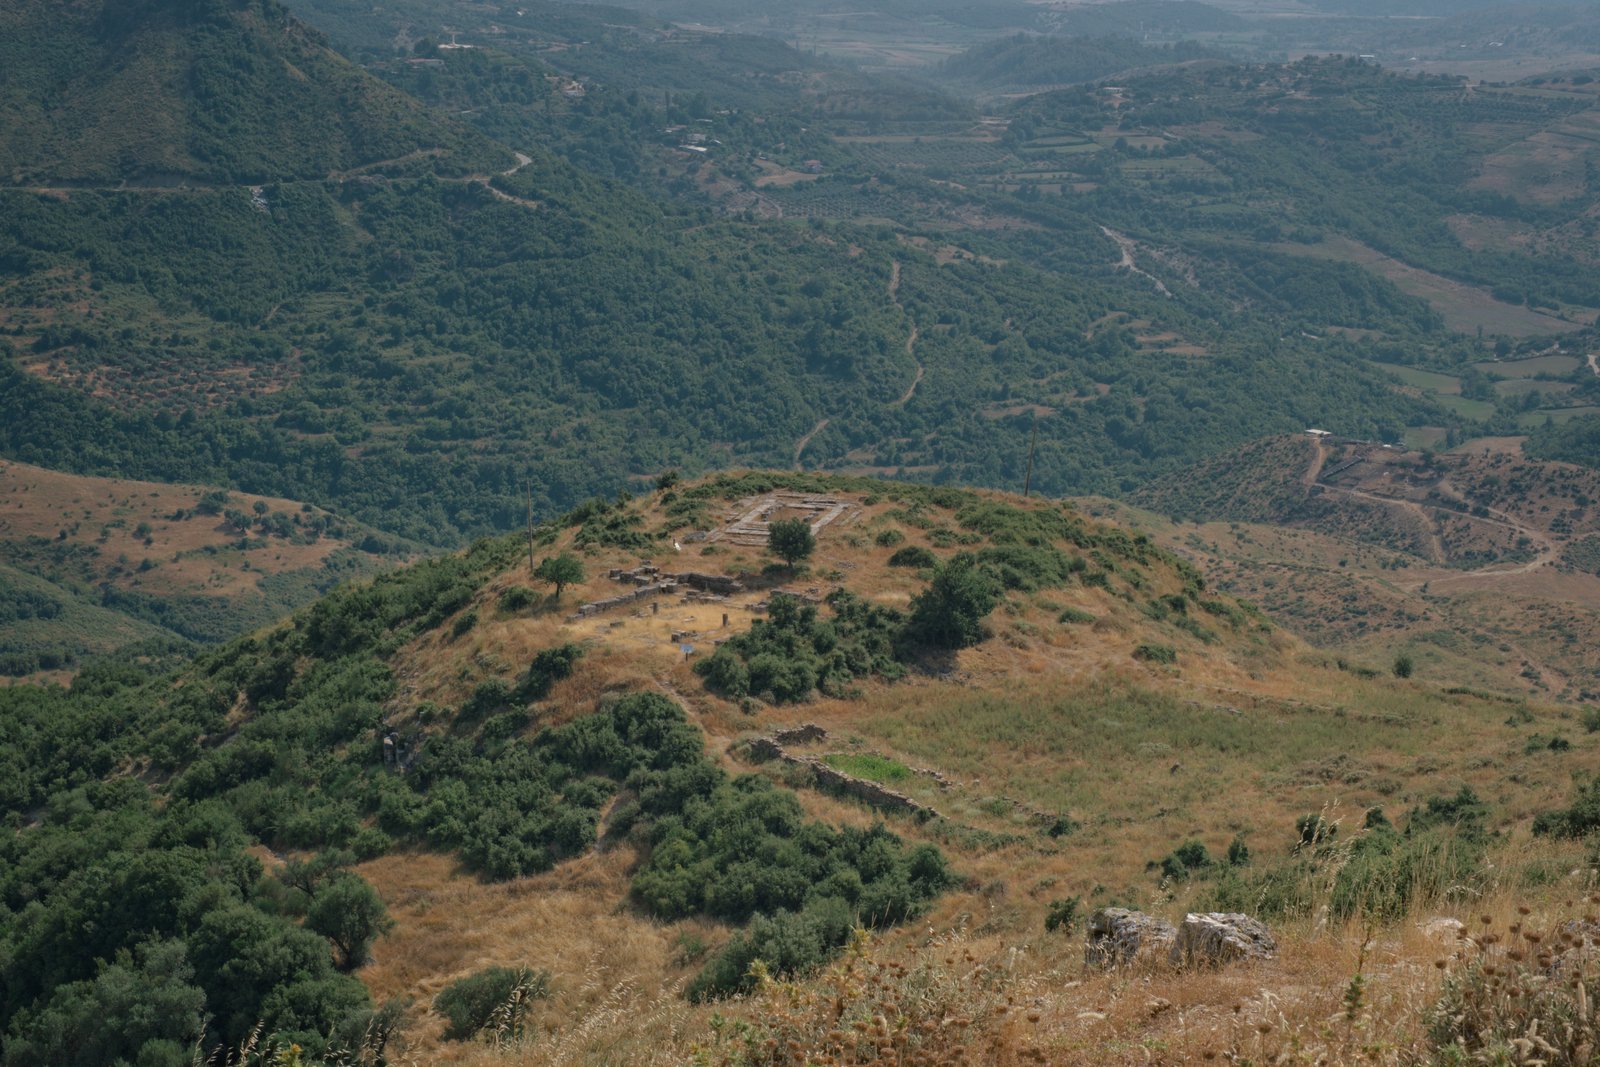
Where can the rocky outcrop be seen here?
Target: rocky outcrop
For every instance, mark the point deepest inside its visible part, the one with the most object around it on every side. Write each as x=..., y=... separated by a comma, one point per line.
x=1213, y=938
x=1117, y=936
x=1443, y=930
x=801, y=735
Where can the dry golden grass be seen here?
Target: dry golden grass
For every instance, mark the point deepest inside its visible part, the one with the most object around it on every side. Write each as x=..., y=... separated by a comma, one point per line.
x=1238, y=737
x=105, y=513
x=956, y=994
x=571, y=921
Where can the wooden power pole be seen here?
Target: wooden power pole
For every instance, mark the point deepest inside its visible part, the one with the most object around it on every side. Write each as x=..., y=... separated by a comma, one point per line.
x=1033, y=439
x=530, y=528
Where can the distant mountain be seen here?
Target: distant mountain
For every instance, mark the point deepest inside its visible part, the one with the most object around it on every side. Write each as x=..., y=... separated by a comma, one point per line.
x=1034, y=60
x=1435, y=8
x=158, y=91
x=1143, y=17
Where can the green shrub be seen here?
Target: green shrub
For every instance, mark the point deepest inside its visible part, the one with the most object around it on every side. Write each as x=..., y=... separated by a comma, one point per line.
x=791, y=540
x=351, y=915
x=1578, y=819
x=788, y=943
x=1185, y=861
x=1074, y=615
x=795, y=651
x=1313, y=829
x=498, y=996
x=1238, y=852
x=1062, y=826
x=518, y=598
x=914, y=556
x=1154, y=653
x=1029, y=567
x=490, y=695
x=888, y=538
x=1062, y=915
x=548, y=667
x=1387, y=872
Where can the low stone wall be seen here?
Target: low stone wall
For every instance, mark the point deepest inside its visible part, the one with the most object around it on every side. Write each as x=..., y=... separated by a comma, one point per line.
x=830, y=779
x=587, y=610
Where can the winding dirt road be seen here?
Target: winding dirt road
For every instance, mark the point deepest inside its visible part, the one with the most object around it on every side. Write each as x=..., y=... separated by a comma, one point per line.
x=800, y=445
x=1127, y=262
x=911, y=338
x=1552, y=679
x=1547, y=552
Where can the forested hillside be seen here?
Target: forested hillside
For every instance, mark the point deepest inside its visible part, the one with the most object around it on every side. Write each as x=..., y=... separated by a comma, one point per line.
x=830, y=761
x=166, y=91
x=416, y=351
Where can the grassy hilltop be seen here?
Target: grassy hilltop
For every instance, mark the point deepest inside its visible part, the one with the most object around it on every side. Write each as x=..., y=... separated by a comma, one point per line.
x=1062, y=716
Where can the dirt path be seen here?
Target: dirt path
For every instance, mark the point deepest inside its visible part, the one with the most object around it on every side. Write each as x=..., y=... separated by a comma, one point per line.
x=800, y=445
x=1547, y=548
x=340, y=176
x=911, y=338
x=508, y=198
x=1318, y=461
x=912, y=388
x=409, y=157
x=1127, y=263
x=1435, y=545
x=1594, y=363
x=1552, y=679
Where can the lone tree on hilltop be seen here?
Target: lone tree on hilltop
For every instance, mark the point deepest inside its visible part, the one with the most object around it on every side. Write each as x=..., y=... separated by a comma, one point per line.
x=791, y=540
x=560, y=571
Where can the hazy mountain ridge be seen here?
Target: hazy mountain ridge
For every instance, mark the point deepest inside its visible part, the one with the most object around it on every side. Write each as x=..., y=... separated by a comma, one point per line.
x=161, y=91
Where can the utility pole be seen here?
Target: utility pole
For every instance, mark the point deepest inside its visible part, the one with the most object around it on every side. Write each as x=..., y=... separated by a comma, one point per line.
x=530, y=528
x=1033, y=439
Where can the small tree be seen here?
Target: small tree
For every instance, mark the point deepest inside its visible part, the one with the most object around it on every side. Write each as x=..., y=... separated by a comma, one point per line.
x=560, y=571
x=791, y=540
x=1403, y=666
x=349, y=913
x=949, y=613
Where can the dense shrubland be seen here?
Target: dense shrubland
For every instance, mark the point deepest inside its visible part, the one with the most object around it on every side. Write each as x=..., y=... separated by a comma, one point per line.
x=198, y=943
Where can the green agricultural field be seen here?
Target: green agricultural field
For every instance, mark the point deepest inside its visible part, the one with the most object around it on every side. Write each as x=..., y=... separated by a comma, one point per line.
x=1530, y=368
x=1429, y=381
x=1532, y=419
x=1471, y=409
x=1517, y=387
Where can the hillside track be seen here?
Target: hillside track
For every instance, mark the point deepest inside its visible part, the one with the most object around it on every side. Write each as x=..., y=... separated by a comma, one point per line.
x=911, y=338
x=1547, y=551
